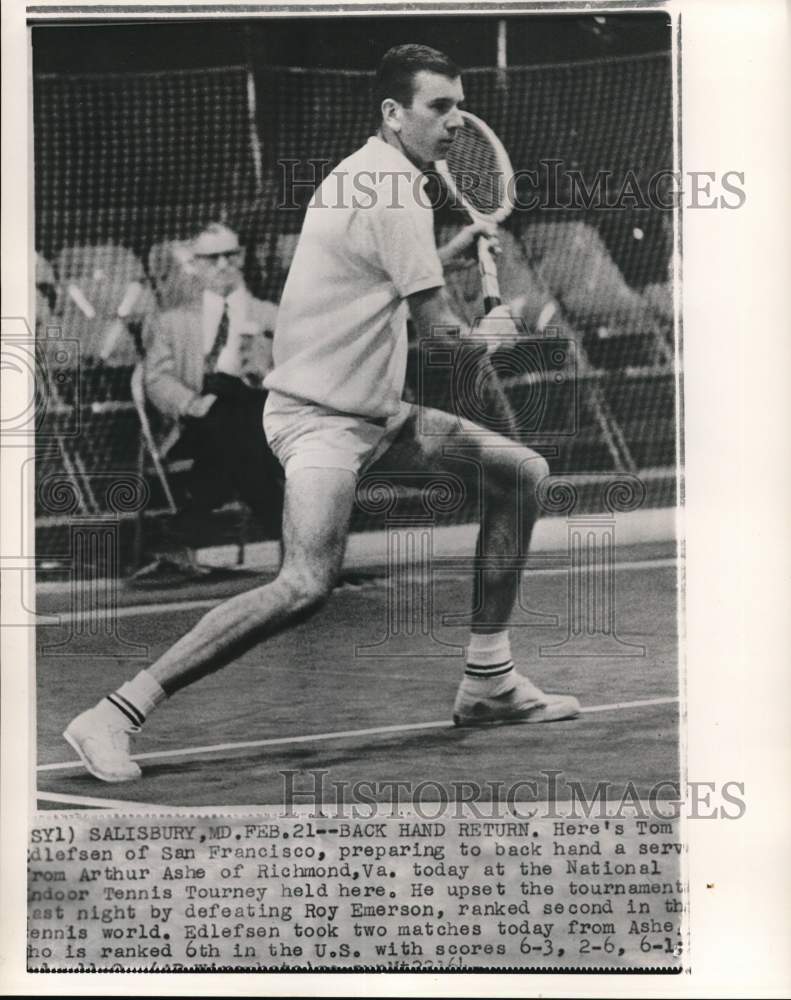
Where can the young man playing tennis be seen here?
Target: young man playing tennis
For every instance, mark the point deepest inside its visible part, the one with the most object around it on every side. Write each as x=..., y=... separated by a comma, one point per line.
x=364, y=262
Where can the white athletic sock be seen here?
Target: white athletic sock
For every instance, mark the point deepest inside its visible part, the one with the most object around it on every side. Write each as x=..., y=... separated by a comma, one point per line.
x=490, y=669
x=136, y=698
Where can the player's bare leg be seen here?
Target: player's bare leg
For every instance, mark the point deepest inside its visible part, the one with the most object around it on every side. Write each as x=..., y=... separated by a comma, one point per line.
x=491, y=691
x=318, y=505
x=317, y=511
x=509, y=474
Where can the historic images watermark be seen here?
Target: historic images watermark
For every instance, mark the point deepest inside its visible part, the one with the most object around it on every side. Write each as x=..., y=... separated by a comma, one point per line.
x=551, y=185
x=494, y=805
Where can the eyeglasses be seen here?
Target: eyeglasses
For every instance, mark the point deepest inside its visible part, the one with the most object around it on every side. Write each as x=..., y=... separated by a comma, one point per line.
x=214, y=257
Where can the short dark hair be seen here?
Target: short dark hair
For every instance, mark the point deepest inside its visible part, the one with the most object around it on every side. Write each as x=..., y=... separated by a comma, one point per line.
x=399, y=66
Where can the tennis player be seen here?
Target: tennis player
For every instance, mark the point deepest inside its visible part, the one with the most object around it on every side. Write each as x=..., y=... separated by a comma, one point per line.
x=366, y=260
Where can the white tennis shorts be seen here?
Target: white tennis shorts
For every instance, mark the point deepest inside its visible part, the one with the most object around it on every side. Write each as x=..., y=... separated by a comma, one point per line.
x=308, y=436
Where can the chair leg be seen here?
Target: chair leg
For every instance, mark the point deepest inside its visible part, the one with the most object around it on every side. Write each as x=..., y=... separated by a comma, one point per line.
x=137, y=538
x=244, y=521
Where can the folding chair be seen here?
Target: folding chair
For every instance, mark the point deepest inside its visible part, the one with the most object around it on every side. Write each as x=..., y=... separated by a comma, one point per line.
x=103, y=291
x=576, y=265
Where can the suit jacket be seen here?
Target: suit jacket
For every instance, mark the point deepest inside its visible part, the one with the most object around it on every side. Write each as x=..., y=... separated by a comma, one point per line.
x=174, y=365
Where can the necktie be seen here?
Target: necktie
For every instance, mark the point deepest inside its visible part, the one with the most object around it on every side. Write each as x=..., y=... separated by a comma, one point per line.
x=219, y=342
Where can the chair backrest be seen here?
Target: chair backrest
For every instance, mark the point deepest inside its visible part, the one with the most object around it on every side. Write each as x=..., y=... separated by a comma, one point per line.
x=108, y=266
x=97, y=283
x=575, y=263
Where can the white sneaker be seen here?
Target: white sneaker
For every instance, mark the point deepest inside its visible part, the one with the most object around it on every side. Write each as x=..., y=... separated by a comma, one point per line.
x=101, y=738
x=524, y=702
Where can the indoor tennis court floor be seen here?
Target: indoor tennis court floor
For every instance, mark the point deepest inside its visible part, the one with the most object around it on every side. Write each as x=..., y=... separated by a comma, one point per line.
x=312, y=699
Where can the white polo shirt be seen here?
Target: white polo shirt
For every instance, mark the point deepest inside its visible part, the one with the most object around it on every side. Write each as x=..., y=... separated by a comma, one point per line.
x=367, y=243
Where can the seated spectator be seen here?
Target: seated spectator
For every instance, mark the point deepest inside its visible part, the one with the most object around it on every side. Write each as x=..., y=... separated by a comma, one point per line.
x=203, y=372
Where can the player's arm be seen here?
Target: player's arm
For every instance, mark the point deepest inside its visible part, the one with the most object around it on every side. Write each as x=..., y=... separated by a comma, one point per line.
x=465, y=239
x=433, y=314
x=432, y=311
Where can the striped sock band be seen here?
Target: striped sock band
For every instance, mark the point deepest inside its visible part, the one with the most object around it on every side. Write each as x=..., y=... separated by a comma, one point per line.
x=487, y=672
x=133, y=714
x=136, y=698
x=489, y=657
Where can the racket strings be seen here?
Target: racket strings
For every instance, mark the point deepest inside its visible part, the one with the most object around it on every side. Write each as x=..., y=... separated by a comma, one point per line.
x=476, y=170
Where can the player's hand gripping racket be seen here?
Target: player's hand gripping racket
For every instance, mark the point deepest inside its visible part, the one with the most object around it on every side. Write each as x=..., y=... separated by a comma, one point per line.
x=479, y=178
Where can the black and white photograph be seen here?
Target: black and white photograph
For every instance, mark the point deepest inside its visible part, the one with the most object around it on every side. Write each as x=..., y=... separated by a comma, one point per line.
x=211, y=291
x=354, y=500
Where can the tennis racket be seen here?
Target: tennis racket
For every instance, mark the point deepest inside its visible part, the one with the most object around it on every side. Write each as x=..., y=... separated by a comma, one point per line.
x=478, y=175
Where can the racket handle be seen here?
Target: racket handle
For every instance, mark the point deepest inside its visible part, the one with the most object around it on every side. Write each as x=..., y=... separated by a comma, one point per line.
x=491, y=302
x=488, y=270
